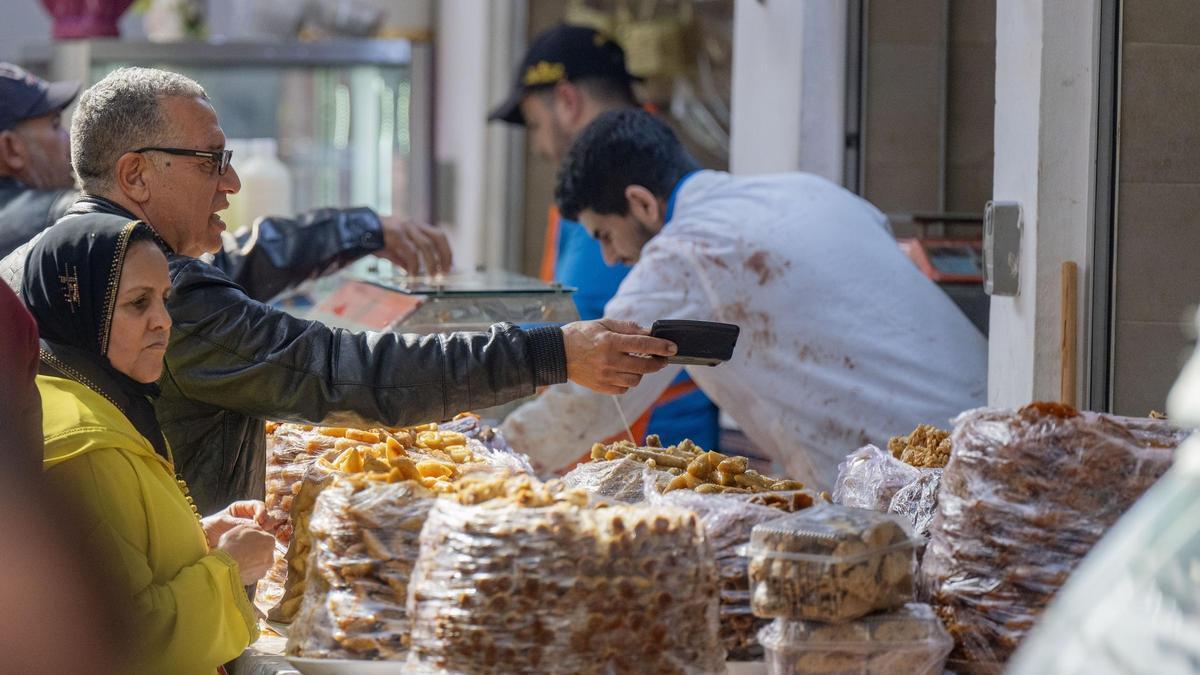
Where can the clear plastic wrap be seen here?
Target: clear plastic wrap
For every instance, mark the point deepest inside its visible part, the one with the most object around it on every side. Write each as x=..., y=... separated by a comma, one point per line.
x=728, y=520
x=503, y=588
x=365, y=539
x=830, y=563
x=908, y=641
x=870, y=477
x=1026, y=495
x=873, y=479
x=291, y=449
x=621, y=480
x=488, y=444
x=298, y=553
x=691, y=467
x=917, y=502
x=433, y=454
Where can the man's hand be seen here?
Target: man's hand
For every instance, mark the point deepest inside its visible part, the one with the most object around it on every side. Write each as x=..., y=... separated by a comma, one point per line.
x=610, y=356
x=410, y=244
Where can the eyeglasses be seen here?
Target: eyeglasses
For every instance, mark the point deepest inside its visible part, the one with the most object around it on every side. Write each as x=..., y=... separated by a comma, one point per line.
x=221, y=157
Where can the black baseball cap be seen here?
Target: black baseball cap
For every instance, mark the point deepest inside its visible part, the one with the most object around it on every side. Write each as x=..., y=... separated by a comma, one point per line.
x=24, y=95
x=563, y=53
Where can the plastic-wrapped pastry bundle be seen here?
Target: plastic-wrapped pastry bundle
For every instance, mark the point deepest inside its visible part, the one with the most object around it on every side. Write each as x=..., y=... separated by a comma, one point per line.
x=518, y=577
x=908, y=641
x=690, y=467
x=494, y=449
x=1026, y=495
x=291, y=449
x=872, y=479
x=917, y=502
x=728, y=521
x=365, y=539
x=830, y=563
x=429, y=454
x=621, y=480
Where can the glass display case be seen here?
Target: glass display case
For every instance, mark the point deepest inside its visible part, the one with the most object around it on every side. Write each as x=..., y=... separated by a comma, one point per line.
x=350, y=120
x=373, y=295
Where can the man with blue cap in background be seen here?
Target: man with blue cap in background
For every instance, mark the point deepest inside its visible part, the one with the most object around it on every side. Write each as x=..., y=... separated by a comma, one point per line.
x=36, y=185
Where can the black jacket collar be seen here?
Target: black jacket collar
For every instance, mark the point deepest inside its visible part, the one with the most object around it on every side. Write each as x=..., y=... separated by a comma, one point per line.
x=94, y=204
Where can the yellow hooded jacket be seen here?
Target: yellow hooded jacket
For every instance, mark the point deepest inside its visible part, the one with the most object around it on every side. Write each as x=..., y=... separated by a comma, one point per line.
x=190, y=611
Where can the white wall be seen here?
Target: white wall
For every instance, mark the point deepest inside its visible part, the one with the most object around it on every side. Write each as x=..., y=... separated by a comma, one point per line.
x=789, y=75
x=1044, y=148
x=474, y=54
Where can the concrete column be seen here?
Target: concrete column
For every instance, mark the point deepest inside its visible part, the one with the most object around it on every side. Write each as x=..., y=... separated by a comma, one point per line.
x=789, y=77
x=1046, y=60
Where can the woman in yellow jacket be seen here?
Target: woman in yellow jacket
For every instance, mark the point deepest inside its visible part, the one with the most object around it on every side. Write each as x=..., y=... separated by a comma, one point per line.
x=98, y=295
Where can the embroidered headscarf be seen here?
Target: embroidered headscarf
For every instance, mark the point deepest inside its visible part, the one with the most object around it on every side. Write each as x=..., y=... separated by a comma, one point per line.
x=70, y=286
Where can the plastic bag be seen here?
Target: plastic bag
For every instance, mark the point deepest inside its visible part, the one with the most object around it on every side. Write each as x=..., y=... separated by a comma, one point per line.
x=908, y=641
x=830, y=563
x=500, y=588
x=291, y=449
x=298, y=553
x=728, y=520
x=869, y=478
x=1133, y=606
x=440, y=453
x=488, y=443
x=365, y=539
x=917, y=502
x=1026, y=495
x=621, y=480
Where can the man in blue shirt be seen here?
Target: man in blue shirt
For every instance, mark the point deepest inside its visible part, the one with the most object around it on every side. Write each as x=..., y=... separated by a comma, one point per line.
x=569, y=76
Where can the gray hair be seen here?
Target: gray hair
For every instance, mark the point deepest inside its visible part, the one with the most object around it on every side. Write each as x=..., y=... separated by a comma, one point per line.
x=121, y=113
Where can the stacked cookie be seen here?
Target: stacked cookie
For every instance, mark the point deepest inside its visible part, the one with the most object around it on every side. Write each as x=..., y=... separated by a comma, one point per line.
x=515, y=576
x=728, y=520
x=818, y=573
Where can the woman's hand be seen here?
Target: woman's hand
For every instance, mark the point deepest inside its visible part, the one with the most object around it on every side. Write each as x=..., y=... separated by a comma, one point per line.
x=253, y=509
x=252, y=548
x=237, y=513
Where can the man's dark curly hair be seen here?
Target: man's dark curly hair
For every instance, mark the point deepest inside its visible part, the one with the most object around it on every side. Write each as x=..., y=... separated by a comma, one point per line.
x=618, y=149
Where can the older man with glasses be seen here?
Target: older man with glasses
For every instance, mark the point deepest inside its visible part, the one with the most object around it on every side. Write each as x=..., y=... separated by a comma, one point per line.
x=37, y=187
x=146, y=145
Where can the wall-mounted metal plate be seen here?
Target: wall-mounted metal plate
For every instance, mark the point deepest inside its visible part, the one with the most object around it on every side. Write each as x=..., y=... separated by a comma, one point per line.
x=1002, y=227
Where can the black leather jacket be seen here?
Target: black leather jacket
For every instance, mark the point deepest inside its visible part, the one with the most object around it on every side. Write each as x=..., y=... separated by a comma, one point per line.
x=233, y=362
x=25, y=211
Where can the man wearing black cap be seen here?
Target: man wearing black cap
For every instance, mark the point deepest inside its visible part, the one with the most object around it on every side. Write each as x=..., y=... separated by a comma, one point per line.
x=36, y=185
x=568, y=77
